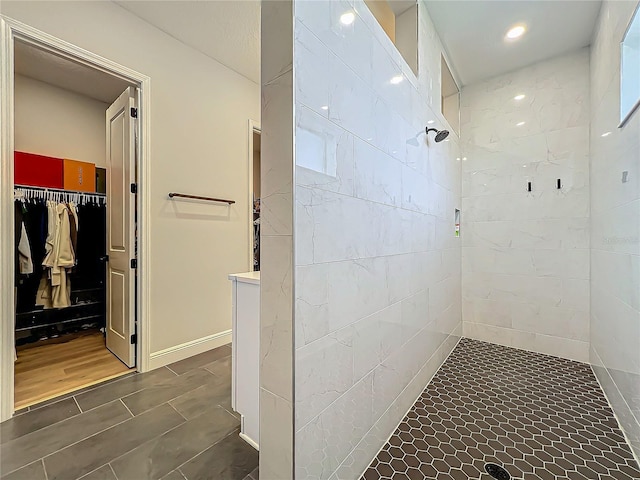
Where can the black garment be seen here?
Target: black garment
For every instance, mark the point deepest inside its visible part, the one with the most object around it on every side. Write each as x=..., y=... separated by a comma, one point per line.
x=17, y=228
x=90, y=267
x=34, y=217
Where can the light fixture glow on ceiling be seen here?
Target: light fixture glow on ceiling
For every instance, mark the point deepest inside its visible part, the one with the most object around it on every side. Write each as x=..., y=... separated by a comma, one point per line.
x=396, y=80
x=347, y=18
x=519, y=124
x=515, y=32
x=519, y=97
x=605, y=134
x=464, y=159
x=430, y=122
x=325, y=107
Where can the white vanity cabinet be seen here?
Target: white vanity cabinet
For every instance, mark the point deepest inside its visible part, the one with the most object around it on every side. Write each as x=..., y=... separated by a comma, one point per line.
x=245, y=380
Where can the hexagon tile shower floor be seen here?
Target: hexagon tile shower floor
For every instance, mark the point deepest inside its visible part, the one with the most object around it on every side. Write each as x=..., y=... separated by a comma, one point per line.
x=537, y=416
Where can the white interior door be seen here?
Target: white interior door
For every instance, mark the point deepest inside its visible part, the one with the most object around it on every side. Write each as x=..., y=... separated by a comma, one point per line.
x=120, y=229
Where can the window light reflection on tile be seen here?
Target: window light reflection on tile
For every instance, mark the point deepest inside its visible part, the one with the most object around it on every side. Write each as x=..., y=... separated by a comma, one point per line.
x=347, y=18
x=317, y=152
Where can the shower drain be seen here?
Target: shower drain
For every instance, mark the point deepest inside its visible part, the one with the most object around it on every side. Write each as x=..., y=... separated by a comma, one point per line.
x=496, y=471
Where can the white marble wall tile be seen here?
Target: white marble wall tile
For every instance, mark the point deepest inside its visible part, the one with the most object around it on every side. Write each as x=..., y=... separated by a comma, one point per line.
x=513, y=288
x=352, y=101
x=325, y=442
x=414, y=315
x=312, y=78
x=377, y=175
x=277, y=176
x=564, y=322
x=618, y=229
x=615, y=330
x=566, y=263
x=488, y=312
x=276, y=323
x=538, y=234
x=276, y=33
x=618, y=275
x=575, y=294
x=324, y=372
x=535, y=342
x=276, y=436
x=276, y=302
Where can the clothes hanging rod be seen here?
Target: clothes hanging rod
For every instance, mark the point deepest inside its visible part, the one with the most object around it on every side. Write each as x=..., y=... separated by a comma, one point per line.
x=198, y=197
x=47, y=189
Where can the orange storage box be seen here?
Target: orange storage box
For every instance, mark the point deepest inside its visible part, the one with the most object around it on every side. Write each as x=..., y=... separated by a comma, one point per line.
x=79, y=176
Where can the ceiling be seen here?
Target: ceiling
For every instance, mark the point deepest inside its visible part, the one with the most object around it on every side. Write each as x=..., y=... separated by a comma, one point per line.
x=39, y=64
x=226, y=31
x=473, y=33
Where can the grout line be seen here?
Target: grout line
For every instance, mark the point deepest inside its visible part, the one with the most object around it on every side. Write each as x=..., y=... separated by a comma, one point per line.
x=113, y=471
x=46, y=476
x=168, y=403
x=79, y=408
x=167, y=367
x=615, y=414
x=234, y=431
x=180, y=472
x=87, y=437
x=125, y=406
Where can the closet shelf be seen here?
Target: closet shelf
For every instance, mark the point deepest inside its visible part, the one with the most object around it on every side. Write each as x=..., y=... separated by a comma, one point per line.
x=62, y=322
x=56, y=310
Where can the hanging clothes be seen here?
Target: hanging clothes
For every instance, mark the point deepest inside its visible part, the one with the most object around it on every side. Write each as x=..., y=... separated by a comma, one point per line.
x=57, y=242
x=35, y=222
x=60, y=256
x=24, y=253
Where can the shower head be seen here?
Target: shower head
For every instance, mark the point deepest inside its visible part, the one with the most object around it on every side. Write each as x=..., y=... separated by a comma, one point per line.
x=440, y=134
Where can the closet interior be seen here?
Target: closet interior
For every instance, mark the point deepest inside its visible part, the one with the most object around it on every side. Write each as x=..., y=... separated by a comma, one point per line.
x=60, y=205
x=256, y=200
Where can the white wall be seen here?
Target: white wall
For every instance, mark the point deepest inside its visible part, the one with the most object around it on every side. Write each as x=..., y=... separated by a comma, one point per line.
x=525, y=255
x=615, y=227
x=377, y=265
x=199, y=123
x=58, y=123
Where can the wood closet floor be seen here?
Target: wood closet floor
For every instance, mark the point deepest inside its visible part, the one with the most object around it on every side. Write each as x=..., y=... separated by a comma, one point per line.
x=47, y=371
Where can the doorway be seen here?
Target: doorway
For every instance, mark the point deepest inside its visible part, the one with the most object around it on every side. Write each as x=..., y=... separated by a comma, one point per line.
x=73, y=311
x=254, y=195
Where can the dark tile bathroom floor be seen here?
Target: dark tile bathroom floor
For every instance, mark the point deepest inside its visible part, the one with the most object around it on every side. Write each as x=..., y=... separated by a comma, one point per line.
x=174, y=423
x=537, y=416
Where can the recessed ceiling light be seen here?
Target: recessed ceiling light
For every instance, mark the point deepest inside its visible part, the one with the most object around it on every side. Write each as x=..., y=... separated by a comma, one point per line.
x=464, y=159
x=347, y=18
x=605, y=134
x=430, y=122
x=325, y=107
x=519, y=124
x=396, y=80
x=519, y=97
x=515, y=32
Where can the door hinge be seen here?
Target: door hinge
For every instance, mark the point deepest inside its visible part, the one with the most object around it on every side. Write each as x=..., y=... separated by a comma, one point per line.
x=134, y=263
x=134, y=339
x=134, y=112
x=134, y=188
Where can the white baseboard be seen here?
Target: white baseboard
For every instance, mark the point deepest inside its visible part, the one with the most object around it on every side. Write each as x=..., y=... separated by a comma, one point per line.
x=188, y=349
